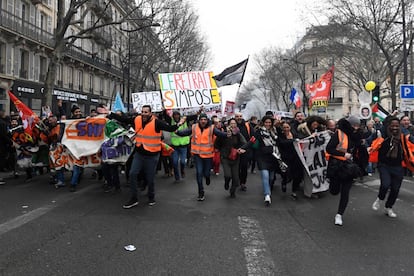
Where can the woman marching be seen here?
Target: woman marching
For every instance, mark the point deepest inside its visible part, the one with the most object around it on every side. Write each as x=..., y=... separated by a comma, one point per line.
x=392, y=150
x=229, y=151
x=268, y=156
x=339, y=151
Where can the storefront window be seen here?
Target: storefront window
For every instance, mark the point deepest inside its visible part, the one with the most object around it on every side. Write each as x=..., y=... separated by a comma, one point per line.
x=37, y=106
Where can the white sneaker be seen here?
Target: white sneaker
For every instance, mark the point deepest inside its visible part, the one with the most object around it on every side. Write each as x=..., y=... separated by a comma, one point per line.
x=369, y=174
x=267, y=200
x=338, y=220
x=389, y=212
x=376, y=205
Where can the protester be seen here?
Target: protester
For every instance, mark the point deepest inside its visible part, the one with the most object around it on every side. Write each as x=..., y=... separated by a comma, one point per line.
x=392, y=150
x=5, y=144
x=230, y=155
x=295, y=170
x=202, y=149
x=268, y=156
x=147, y=150
x=77, y=171
x=217, y=156
x=311, y=125
x=298, y=119
x=340, y=148
x=331, y=126
x=254, y=124
x=247, y=131
x=180, y=144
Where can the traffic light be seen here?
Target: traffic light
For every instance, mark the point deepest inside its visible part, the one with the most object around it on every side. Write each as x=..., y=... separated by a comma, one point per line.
x=375, y=94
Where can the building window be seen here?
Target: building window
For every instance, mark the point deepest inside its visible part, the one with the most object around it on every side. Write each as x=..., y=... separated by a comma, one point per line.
x=24, y=63
x=314, y=77
x=2, y=58
x=90, y=83
x=42, y=69
x=315, y=43
x=70, y=77
x=101, y=86
x=350, y=96
x=80, y=78
x=58, y=80
x=315, y=62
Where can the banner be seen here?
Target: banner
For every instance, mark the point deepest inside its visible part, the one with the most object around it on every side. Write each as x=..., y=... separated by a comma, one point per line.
x=311, y=152
x=188, y=89
x=29, y=118
x=320, y=90
x=84, y=137
x=152, y=98
x=60, y=157
x=229, y=108
x=117, y=150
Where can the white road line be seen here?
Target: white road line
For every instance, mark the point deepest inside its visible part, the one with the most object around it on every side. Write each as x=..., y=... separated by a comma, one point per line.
x=23, y=219
x=34, y=214
x=259, y=261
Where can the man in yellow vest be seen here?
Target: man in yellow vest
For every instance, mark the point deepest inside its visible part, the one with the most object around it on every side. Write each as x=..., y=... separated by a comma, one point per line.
x=202, y=149
x=180, y=144
x=147, y=152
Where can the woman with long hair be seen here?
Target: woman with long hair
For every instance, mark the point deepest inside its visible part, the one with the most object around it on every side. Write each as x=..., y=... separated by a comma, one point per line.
x=230, y=162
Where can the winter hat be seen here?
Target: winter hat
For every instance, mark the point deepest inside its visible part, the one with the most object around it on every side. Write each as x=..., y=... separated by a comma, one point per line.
x=175, y=112
x=354, y=120
x=202, y=115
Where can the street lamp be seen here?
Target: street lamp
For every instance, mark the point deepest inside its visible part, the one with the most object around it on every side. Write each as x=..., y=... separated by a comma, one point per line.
x=129, y=58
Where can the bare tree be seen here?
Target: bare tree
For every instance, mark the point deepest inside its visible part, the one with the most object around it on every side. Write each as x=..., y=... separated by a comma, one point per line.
x=67, y=16
x=183, y=43
x=380, y=25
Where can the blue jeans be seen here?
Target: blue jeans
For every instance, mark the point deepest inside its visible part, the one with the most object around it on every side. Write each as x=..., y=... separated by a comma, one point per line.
x=60, y=176
x=147, y=163
x=75, y=176
x=267, y=178
x=391, y=178
x=181, y=154
x=203, y=168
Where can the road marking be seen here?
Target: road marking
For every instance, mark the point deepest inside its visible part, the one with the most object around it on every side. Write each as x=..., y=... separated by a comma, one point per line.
x=259, y=261
x=23, y=219
x=34, y=214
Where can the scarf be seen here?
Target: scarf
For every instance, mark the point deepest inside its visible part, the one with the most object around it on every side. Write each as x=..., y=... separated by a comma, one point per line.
x=394, y=145
x=269, y=138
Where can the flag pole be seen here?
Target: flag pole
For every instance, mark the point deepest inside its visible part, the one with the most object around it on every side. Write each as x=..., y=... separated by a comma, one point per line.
x=241, y=81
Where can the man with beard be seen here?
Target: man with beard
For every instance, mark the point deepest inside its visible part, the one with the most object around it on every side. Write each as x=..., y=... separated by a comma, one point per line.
x=247, y=130
x=299, y=118
x=147, y=152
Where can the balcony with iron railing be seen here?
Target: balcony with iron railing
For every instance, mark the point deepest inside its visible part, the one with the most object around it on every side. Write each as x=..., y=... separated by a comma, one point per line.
x=100, y=35
x=86, y=57
x=11, y=22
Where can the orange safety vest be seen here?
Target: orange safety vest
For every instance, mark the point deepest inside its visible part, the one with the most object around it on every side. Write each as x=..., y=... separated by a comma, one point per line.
x=342, y=146
x=147, y=136
x=202, y=143
x=248, y=128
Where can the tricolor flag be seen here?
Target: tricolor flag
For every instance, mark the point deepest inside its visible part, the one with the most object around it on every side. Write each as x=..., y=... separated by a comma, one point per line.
x=231, y=75
x=379, y=111
x=295, y=98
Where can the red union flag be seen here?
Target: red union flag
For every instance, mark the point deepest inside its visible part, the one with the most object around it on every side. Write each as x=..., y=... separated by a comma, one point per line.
x=320, y=90
x=29, y=118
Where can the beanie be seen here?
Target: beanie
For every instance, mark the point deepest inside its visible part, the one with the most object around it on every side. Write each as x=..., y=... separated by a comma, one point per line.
x=202, y=115
x=354, y=120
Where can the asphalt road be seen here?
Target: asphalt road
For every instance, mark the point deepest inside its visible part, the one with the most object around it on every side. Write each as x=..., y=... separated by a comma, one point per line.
x=48, y=231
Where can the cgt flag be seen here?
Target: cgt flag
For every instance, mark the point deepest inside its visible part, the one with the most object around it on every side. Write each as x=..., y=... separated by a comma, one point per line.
x=320, y=90
x=29, y=118
x=232, y=75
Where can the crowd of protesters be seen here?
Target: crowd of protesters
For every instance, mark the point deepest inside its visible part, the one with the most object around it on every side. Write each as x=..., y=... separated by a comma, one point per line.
x=236, y=145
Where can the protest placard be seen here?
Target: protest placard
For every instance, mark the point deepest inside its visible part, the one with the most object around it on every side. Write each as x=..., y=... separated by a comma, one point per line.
x=188, y=89
x=152, y=98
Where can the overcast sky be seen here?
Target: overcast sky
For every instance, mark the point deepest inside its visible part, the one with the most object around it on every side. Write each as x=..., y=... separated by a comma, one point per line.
x=238, y=28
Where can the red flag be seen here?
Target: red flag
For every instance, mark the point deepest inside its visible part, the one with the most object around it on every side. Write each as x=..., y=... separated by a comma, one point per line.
x=29, y=118
x=320, y=90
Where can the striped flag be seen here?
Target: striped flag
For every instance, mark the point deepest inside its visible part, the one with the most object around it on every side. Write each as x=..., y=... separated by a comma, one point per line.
x=295, y=98
x=231, y=75
x=379, y=111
